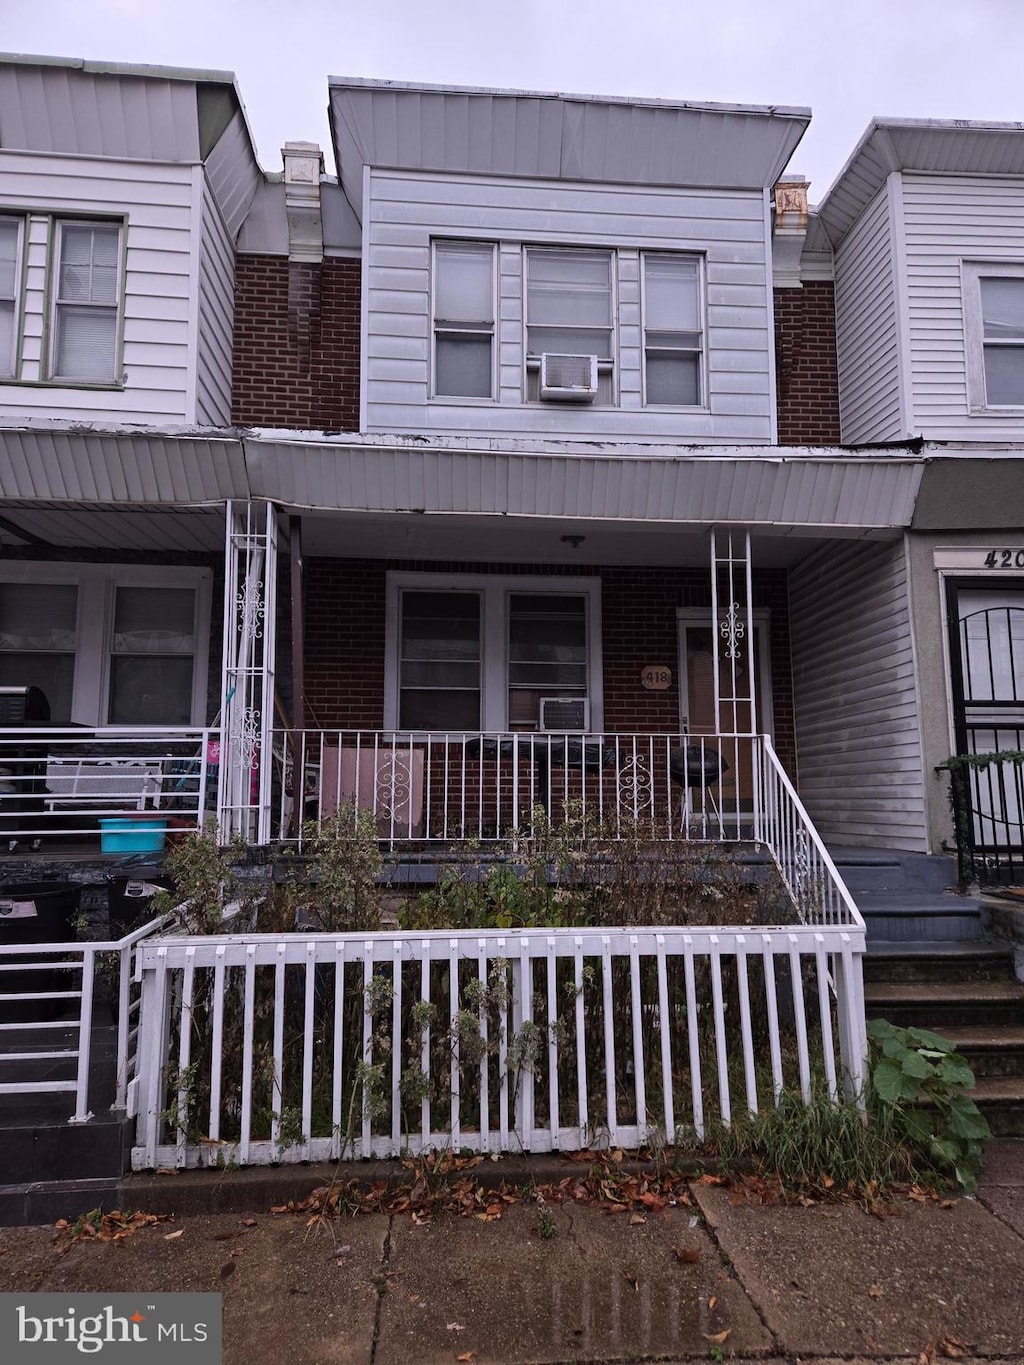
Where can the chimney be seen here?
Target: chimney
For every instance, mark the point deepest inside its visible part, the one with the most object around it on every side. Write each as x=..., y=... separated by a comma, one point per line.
x=303, y=166
x=789, y=230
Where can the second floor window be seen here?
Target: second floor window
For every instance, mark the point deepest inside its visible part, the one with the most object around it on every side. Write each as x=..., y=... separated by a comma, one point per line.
x=672, y=330
x=10, y=243
x=86, y=297
x=463, y=320
x=1002, y=311
x=569, y=311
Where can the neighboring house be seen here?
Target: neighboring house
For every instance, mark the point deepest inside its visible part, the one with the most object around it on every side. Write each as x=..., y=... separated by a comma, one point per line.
x=926, y=223
x=122, y=193
x=569, y=417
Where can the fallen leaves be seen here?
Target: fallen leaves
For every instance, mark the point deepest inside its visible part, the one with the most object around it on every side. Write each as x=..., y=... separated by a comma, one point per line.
x=105, y=1227
x=466, y=1355
x=686, y=1255
x=876, y=1291
x=717, y=1337
x=171, y=1236
x=443, y=1184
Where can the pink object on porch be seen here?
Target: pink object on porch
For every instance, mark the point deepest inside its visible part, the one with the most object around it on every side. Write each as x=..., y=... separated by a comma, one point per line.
x=387, y=781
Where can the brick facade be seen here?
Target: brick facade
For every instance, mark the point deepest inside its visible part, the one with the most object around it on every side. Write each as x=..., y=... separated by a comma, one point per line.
x=806, y=368
x=296, y=344
x=345, y=608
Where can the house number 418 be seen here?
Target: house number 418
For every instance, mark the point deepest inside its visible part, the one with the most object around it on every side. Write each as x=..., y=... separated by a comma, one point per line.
x=1004, y=559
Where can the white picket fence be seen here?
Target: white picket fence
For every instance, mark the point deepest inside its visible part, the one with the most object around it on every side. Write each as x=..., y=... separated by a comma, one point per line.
x=258, y=1049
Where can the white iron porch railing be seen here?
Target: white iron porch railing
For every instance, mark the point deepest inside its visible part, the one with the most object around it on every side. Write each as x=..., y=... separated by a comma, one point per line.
x=437, y=788
x=261, y=1048
x=60, y=781
x=47, y=1026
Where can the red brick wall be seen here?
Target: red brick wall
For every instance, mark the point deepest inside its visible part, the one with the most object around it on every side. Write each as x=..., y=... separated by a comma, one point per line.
x=345, y=603
x=296, y=344
x=806, y=370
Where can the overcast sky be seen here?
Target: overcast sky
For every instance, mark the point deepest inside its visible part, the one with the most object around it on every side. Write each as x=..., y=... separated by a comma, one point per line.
x=847, y=61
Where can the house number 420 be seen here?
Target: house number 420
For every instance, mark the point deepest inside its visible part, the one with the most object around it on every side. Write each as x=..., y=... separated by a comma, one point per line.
x=1004, y=559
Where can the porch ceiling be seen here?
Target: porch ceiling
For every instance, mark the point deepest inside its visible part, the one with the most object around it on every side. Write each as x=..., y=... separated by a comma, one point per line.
x=540, y=540
x=194, y=530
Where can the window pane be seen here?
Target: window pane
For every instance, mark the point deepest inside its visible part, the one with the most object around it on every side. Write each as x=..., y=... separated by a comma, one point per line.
x=38, y=616
x=670, y=293
x=672, y=377
x=1004, y=375
x=463, y=365
x=150, y=691
x=440, y=661
x=154, y=621
x=9, y=233
x=454, y=712
x=53, y=674
x=547, y=651
x=464, y=288
x=570, y=341
x=88, y=264
x=1002, y=307
x=86, y=343
x=569, y=288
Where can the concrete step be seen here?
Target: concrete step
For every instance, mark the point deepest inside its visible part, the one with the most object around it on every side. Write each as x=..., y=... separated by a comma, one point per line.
x=881, y=870
x=1001, y=1100
x=945, y=1005
x=992, y=1052
x=913, y=917
x=937, y=960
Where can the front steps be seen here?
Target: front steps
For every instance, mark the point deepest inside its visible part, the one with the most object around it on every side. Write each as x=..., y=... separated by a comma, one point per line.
x=930, y=965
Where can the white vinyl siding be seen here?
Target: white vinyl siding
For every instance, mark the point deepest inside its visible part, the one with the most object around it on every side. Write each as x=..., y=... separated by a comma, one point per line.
x=855, y=697
x=216, y=316
x=950, y=222
x=867, y=332
x=725, y=228
x=154, y=201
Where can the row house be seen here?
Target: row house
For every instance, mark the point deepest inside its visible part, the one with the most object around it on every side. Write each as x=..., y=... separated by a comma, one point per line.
x=553, y=450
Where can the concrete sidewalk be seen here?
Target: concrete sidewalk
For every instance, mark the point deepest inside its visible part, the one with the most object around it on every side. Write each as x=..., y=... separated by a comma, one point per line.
x=719, y=1277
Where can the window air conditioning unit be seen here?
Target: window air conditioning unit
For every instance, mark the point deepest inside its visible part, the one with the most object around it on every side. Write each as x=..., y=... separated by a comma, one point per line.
x=564, y=713
x=568, y=378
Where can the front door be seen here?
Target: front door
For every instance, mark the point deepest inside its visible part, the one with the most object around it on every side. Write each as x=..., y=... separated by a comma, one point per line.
x=697, y=640
x=987, y=653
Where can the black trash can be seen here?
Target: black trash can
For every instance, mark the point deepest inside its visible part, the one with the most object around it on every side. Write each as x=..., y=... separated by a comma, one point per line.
x=37, y=912
x=131, y=885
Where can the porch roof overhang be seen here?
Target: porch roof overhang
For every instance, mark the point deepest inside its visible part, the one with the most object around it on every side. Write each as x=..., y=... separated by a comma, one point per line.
x=71, y=469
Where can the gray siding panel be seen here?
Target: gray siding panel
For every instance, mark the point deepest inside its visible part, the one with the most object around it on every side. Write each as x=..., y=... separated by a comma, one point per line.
x=867, y=336
x=216, y=316
x=61, y=109
x=950, y=220
x=855, y=697
x=726, y=228
x=157, y=201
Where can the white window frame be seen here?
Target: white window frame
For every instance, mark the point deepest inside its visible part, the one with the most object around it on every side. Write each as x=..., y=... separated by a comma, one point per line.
x=604, y=367
x=494, y=590
x=96, y=585
x=9, y=364
x=701, y=404
x=437, y=324
x=57, y=228
x=971, y=274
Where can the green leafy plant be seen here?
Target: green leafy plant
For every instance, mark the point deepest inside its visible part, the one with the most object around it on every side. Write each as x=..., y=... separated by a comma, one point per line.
x=918, y=1078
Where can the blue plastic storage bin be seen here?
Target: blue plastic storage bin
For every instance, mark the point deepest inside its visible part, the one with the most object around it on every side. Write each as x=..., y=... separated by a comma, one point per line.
x=133, y=834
